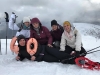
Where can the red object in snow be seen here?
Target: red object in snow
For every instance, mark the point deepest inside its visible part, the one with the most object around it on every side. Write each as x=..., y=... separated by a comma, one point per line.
x=86, y=63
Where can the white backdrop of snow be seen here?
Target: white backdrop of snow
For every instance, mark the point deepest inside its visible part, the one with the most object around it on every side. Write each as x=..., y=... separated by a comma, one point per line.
x=9, y=66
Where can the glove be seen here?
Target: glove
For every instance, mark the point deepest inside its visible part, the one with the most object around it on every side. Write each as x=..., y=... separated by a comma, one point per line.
x=14, y=18
x=77, y=53
x=73, y=53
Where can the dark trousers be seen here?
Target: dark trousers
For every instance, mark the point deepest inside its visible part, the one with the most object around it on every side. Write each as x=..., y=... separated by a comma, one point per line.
x=68, y=50
x=54, y=55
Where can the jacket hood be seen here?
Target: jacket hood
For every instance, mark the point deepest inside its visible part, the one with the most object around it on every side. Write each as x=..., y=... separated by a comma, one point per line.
x=35, y=20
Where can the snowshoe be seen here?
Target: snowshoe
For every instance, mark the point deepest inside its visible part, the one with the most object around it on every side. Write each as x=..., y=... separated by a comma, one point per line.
x=86, y=63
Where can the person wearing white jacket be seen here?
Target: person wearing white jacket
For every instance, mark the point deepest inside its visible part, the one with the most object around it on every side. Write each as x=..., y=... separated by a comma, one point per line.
x=23, y=27
x=71, y=41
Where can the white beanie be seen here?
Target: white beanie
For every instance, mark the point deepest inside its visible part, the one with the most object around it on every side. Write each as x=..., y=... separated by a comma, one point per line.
x=26, y=19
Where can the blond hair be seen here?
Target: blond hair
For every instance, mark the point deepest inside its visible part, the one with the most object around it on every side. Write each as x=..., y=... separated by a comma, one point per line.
x=66, y=23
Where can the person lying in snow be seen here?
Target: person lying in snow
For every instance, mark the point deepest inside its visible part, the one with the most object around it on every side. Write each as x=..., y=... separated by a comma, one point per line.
x=43, y=52
x=71, y=41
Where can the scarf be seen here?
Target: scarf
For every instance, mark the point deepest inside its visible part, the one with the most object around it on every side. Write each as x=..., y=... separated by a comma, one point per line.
x=69, y=35
x=37, y=30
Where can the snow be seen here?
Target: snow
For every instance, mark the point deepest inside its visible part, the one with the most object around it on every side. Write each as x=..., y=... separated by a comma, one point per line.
x=9, y=66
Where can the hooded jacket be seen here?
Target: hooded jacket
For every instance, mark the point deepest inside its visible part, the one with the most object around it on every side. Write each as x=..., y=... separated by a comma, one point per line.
x=44, y=36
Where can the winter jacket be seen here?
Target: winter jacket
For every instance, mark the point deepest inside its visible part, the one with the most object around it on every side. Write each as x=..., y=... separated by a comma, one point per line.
x=74, y=42
x=24, y=31
x=44, y=38
x=24, y=54
x=56, y=35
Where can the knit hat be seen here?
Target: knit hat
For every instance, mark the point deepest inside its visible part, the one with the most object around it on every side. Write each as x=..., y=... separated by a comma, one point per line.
x=35, y=20
x=20, y=37
x=54, y=22
x=26, y=19
x=66, y=23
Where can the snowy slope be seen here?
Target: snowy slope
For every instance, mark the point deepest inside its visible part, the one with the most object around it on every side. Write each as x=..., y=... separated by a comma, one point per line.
x=9, y=66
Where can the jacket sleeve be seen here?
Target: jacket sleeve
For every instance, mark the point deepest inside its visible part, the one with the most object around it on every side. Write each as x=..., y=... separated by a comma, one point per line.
x=48, y=34
x=52, y=36
x=13, y=25
x=63, y=43
x=31, y=34
x=78, y=41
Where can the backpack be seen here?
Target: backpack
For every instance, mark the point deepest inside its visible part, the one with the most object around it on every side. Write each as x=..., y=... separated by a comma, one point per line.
x=75, y=33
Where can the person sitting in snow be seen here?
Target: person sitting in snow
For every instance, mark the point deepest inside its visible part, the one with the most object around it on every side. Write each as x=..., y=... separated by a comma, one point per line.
x=56, y=33
x=43, y=53
x=40, y=33
x=23, y=27
x=71, y=41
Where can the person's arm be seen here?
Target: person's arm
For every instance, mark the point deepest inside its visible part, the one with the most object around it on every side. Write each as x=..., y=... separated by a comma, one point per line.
x=20, y=57
x=47, y=32
x=78, y=41
x=31, y=34
x=63, y=43
x=13, y=25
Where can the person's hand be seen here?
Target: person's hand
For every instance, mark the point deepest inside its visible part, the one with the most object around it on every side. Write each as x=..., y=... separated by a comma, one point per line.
x=50, y=45
x=33, y=58
x=13, y=19
x=17, y=58
x=73, y=53
x=16, y=52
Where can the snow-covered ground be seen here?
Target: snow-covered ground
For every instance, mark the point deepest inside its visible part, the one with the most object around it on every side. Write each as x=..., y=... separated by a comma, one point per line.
x=9, y=66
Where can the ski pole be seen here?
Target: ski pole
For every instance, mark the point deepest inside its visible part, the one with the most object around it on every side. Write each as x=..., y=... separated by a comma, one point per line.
x=0, y=47
x=88, y=52
x=93, y=49
x=7, y=20
x=80, y=55
x=13, y=30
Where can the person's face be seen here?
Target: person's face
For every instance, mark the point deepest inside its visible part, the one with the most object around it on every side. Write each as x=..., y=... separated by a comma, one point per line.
x=22, y=42
x=67, y=28
x=35, y=25
x=54, y=27
x=27, y=23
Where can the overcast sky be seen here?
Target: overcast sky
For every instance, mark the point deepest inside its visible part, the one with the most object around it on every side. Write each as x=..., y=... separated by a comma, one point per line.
x=61, y=10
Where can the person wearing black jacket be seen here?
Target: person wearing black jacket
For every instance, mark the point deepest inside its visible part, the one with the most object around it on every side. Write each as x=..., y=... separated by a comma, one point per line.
x=44, y=53
x=56, y=33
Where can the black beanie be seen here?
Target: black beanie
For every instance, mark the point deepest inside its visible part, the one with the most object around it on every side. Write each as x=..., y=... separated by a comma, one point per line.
x=20, y=37
x=54, y=22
